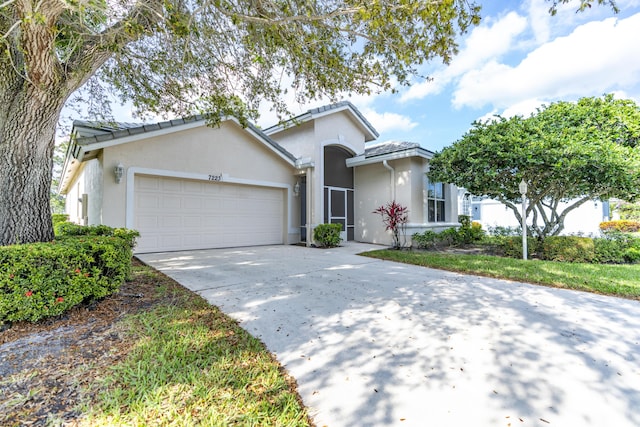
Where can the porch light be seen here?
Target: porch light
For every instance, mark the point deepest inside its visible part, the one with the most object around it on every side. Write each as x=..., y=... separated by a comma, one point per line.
x=118, y=172
x=523, y=192
x=296, y=189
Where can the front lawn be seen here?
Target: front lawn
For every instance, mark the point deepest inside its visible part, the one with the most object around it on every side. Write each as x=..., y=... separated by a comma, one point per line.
x=153, y=353
x=616, y=280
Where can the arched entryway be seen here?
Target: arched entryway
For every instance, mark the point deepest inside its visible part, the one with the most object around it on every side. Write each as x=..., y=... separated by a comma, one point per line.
x=338, y=190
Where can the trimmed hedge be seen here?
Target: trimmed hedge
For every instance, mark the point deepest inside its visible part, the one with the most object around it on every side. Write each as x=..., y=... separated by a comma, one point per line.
x=327, y=235
x=40, y=280
x=568, y=249
x=615, y=248
x=511, y=246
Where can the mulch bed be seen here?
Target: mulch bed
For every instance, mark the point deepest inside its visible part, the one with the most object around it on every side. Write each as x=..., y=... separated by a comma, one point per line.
x=46, y=366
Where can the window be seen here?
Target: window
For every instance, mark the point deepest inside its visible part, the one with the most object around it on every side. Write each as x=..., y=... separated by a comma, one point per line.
x=435, y=202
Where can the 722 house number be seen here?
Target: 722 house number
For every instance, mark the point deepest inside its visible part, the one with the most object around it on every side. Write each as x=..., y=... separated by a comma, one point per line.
x=215, y=177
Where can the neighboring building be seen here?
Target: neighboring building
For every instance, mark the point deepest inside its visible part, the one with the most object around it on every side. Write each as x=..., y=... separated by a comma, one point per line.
x=584, y=220
x=185, y=185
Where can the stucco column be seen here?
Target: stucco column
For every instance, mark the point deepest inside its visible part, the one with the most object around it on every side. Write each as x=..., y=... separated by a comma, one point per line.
x=309, y=202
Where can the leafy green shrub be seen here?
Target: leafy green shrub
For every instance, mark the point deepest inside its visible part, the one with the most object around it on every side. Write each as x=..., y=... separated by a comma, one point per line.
x=568, y=249
x=511, y=246
x=610, y=249
x=449, y=237
x=58, y=218
x=617, y=248
x=327, y=235
x=73, y=229
x=621, y=225
x=632, y=255
x=469, y=232
x=425, y=240
x=40, y=280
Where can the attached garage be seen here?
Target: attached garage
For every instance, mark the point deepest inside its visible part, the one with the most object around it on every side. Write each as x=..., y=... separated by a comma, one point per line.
x=178, y=214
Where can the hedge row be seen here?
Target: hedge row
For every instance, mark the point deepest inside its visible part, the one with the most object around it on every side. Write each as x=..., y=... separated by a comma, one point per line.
x=45, y=279
x=615, y=248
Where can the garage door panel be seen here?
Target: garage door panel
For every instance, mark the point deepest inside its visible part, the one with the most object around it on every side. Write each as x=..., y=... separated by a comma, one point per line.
x=171, y=221
x=148, y=221
x=171, y=185
x=171, y=202
x=180, y=214
x=149, y=201
x=147, y=183
x=192, y=203
x=193, y=221
x=193, y=187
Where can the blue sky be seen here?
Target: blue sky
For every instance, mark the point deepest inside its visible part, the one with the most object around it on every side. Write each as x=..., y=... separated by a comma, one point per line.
x=519, y=58
x=516, y=60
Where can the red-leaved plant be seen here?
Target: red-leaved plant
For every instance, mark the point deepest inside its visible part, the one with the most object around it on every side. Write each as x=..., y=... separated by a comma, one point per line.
x=394, y=217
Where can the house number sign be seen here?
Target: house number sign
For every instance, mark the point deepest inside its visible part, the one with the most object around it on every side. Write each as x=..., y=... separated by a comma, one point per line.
x=217, y=177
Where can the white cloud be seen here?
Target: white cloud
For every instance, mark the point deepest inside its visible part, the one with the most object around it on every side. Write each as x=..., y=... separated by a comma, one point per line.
x=489, y=40
x=385, y=122
x=596, y=57
x=539, y=19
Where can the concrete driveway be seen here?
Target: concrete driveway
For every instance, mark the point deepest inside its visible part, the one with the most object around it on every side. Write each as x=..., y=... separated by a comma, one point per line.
x=376, y=343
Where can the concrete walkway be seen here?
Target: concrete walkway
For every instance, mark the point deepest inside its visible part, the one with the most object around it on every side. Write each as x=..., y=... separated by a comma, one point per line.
x=376, y=343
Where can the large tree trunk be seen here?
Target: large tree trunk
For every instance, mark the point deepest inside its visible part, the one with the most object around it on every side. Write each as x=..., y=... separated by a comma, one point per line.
x=28, y=118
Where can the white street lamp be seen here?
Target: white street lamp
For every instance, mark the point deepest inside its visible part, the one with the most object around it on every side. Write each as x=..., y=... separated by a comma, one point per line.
x=523, y=191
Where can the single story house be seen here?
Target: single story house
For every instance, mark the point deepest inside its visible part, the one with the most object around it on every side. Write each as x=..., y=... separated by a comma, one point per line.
x=185, y=185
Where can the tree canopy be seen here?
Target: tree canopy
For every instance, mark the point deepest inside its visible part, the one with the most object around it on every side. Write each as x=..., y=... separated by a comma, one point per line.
x=566, y=152
x=179, y=57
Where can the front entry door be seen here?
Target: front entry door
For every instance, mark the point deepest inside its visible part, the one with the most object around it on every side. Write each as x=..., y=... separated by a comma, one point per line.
x=339, y=210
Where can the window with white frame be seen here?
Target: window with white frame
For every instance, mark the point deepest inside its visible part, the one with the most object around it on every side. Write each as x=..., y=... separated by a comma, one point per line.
x=435, y=202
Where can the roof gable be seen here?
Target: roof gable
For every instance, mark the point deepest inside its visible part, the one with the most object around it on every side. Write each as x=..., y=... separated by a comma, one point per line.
x=89, y=138
x=365, y=126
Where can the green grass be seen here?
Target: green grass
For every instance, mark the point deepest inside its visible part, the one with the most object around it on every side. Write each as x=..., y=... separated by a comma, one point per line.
x=192, y=365
x=617, y=280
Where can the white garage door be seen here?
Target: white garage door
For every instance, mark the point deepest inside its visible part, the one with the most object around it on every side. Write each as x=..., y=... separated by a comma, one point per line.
x=180, y=214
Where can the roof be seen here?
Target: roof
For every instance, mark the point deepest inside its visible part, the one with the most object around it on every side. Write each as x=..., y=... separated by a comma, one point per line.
x=390, y=150
x=389, y=147
x=370, y=132
x=88, y=138
x=116, y=130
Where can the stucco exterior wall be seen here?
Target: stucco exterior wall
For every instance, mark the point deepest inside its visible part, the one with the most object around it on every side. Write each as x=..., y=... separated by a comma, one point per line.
x=298, y=140
x=373, y=189
x=202, y=151
x=339, y=129
x=88, y=181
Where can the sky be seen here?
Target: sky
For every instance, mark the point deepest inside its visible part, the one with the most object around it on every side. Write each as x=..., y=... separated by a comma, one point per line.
x=518, y=59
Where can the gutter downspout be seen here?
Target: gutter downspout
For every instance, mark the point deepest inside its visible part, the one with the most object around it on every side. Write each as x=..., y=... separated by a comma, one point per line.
x=393, y=179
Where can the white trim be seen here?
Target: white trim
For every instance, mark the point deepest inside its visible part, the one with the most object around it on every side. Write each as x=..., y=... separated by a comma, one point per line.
x=130, y=191
x=412, y=152
x=138, y=137
x=432, y=225
x=369, y=132
x=172, y=129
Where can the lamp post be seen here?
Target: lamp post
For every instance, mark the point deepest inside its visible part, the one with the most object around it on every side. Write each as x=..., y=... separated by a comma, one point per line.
x=523, y=191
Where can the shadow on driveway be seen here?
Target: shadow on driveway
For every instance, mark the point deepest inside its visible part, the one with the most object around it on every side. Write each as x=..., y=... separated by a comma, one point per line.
x=377, y=343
